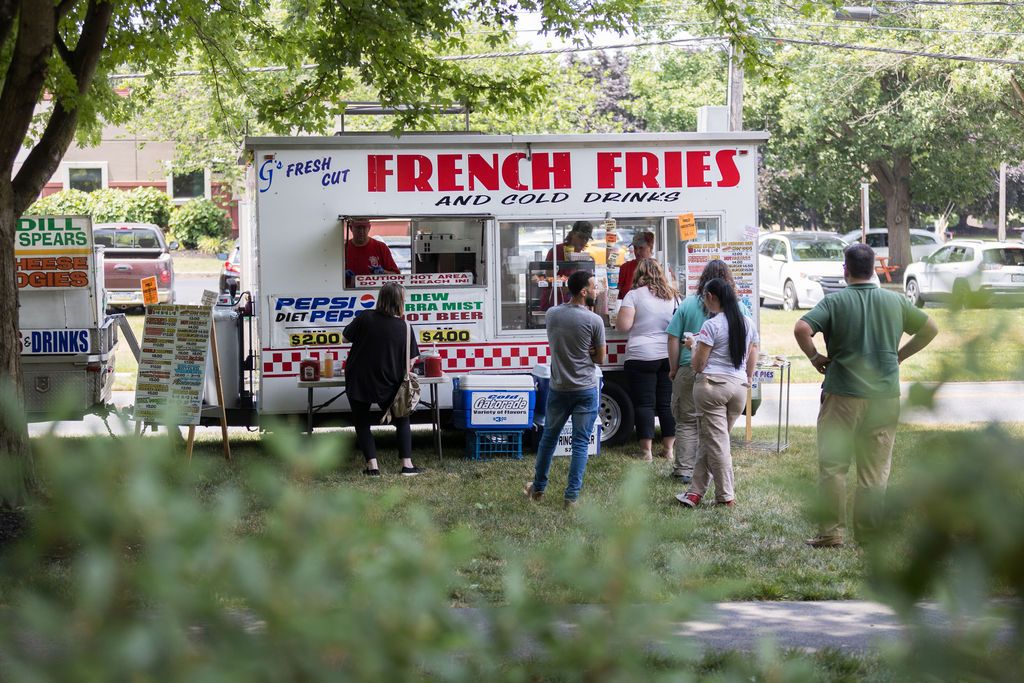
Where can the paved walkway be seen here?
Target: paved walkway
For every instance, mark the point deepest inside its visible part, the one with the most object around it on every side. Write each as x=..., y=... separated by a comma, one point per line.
x=852, y=626
x=849, y=625
x=958, y=403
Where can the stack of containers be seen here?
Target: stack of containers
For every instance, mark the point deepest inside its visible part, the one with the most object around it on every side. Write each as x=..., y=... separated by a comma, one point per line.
x=611, y=239
x=494, y=410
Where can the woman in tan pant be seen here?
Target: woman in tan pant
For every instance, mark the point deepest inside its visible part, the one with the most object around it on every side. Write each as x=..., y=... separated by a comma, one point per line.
x=724, y=357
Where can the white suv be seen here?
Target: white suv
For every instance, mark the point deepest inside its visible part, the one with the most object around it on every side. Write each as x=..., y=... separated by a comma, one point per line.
x=922, y=242
x=799, y=268
x=967, y=272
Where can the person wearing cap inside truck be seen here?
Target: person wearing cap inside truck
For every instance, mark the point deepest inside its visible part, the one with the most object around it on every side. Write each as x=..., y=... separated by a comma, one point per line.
x=643, y=247
x=576, y=239
x=365, y=256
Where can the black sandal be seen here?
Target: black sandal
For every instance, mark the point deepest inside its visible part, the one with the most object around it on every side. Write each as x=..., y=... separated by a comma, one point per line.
x=371, y=473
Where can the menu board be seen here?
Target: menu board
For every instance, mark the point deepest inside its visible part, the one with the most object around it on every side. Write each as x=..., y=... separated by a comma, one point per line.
x=172, y=367
x=739, y=256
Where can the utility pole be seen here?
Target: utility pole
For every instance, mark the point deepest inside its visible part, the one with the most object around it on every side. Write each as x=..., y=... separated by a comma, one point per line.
x=735, y=94
x=1002, y=202
x=865, y=210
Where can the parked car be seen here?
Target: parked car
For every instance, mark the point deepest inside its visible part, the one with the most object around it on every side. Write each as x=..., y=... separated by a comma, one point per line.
x=799, y=268
x=401, y=251
x=133, y=251
x=922, y=242
x=231, y=271
x=967, y=272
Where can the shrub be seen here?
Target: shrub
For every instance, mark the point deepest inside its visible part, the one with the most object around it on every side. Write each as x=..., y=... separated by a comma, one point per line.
x=199, y=218
x=108, y=205
x=149, y=205
x=63, y=203
x=214, y=245
x=140, y=205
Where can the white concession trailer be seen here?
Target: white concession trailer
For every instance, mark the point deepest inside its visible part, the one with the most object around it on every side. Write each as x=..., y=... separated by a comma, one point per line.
x=471, y=221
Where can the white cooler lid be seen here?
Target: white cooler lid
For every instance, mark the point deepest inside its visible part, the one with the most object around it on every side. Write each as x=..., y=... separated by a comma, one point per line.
x=496, y=382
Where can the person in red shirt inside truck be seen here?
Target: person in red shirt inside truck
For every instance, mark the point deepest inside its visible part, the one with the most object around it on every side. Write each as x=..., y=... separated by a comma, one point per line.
x=643, y=247
x=576, y=239
x=365, y=256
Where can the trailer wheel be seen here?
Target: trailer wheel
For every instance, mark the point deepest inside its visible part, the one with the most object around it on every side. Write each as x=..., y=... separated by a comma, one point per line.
x=615, y=414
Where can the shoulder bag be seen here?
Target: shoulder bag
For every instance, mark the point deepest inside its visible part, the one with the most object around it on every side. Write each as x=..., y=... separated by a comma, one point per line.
x=408, y=395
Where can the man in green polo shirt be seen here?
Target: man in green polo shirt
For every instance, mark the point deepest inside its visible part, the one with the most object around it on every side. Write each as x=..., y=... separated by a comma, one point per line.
x=860, y=407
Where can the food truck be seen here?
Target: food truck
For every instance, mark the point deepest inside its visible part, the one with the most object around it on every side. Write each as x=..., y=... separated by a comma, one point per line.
x=473, y=222
x=67, y=340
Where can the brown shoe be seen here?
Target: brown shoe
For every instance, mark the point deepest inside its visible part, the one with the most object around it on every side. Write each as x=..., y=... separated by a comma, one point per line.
x=530, y=493
x=569, y=504
x=824, y=542
x=726, y=504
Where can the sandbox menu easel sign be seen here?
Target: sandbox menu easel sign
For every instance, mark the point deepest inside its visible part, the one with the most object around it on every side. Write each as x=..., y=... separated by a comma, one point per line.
x=741, y=258
x=172, y=367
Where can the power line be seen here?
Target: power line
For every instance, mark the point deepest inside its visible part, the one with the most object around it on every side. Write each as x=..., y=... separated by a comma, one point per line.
x=459, y=58
x=646, y=43
x=894, y=51
x=565, y=50
x=953, y=3
x=904, y=29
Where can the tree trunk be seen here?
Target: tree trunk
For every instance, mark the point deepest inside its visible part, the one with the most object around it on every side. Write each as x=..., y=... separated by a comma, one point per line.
x=894, y=186
x=17, y=481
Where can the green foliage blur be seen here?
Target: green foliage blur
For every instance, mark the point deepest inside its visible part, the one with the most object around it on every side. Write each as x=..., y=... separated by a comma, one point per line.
x=134, y=566
x=198, y=218
x=138, y=205
x=956, y=538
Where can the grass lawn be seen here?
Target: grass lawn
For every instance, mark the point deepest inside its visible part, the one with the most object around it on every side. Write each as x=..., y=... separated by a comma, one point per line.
x=124, y=364
x=754, y=552
x=973, y=345
x=195, y=263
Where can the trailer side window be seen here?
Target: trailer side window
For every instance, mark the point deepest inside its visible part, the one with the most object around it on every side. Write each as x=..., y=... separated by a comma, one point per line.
x=524, y=247
x=448, y=252
x=709, y=229
x=419, y=252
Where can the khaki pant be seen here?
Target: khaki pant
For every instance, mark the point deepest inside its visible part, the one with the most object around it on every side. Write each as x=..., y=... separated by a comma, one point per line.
x=719, y=400
x=685, y=411
x=854, y=430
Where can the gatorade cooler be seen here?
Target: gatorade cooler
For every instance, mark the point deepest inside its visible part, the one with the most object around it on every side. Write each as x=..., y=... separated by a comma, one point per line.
x=502, y=402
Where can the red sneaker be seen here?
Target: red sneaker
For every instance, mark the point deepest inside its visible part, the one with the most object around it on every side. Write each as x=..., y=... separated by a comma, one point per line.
x=689, y=500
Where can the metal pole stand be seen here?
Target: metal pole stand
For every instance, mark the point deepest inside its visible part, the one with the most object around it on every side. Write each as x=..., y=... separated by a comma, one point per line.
x=780, y=369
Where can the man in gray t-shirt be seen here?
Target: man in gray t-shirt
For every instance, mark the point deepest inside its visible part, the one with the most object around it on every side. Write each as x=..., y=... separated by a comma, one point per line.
x=574, y=331
x=576, y=337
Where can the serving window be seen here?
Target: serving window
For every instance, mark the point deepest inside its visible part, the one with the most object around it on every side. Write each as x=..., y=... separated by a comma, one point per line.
x=537, y=257
x=418, y=252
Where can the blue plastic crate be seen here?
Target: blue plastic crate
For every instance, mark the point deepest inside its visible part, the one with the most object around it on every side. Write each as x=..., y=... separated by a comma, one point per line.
x=489, y=444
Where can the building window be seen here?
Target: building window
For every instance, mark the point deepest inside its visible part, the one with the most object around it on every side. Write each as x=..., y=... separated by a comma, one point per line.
x=84, y=176
x=185, y=186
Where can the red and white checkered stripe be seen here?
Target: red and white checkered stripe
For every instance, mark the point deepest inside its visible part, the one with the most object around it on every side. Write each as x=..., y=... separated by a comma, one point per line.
x=455, y=358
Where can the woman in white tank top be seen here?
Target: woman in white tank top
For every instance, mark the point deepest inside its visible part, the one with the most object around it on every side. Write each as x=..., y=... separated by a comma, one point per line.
x=645, y=313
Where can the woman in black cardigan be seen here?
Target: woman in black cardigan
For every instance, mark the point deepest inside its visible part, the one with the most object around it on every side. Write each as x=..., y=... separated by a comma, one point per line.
x=375, y=369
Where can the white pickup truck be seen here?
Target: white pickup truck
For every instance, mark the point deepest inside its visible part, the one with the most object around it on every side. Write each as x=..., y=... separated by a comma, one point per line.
x=67, y=340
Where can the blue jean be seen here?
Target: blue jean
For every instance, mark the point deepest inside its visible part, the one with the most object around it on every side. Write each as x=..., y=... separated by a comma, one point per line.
x=581, y=406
